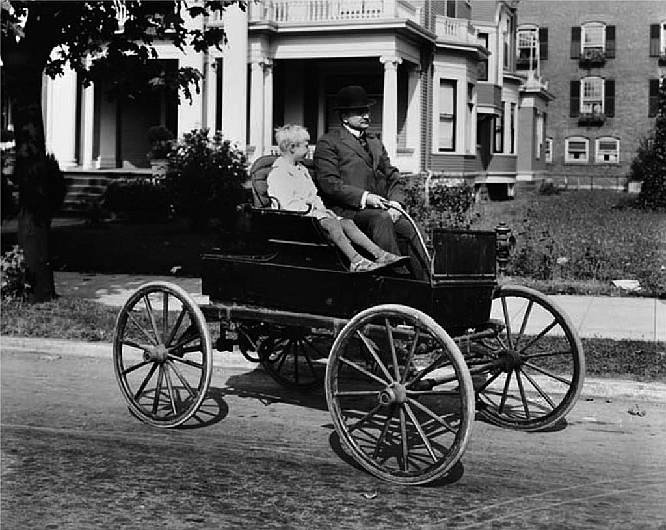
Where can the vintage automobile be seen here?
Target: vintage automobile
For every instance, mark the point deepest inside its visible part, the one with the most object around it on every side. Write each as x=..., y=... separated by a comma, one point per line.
x=406, y=365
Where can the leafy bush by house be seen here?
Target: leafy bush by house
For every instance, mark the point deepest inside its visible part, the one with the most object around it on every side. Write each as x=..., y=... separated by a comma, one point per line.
x=138, y=199
x=206, y=177
x=15, y=282
x=449, y=206
x=161, y=140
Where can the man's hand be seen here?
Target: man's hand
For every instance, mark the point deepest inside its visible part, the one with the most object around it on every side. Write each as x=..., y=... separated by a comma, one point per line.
x=393, y=212
x=376, y=201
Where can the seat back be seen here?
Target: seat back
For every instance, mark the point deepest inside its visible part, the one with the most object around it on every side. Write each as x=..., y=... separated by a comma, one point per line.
x=258, y=174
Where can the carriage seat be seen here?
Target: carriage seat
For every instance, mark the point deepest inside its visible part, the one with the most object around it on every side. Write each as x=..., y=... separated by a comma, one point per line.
x=281, y=226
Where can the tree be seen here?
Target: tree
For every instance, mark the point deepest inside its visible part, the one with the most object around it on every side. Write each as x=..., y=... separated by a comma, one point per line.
x=43, y=37
x=649, y=166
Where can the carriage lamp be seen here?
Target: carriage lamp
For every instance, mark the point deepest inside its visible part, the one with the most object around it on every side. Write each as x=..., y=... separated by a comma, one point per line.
x=504, y=242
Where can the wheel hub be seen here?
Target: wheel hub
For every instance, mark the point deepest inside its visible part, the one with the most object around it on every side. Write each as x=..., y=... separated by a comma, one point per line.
x=157, y=353
x=511, y=359
x=395, y=393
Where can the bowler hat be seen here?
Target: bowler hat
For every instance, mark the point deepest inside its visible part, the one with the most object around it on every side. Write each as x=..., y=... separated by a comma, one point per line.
x=353, y=97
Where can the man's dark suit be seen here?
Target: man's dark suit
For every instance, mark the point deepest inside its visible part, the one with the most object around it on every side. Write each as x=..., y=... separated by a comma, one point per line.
x=344, y=171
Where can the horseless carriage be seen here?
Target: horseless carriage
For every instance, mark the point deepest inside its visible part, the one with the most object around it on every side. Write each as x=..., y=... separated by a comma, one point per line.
x=406, y=364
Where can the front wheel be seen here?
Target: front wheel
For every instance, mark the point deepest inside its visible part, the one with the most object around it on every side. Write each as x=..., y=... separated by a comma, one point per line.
x=400, y=395
x=162, y=354
x=530, y=374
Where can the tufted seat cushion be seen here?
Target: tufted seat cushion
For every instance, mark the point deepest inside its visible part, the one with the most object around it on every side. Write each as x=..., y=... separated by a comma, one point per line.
x=259, y=172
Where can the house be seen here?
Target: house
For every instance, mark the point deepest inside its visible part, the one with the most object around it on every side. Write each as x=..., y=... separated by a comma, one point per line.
x=450, y=100
x=604, y=61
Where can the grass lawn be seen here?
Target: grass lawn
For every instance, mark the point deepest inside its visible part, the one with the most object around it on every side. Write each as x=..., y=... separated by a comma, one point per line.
x=79, y=319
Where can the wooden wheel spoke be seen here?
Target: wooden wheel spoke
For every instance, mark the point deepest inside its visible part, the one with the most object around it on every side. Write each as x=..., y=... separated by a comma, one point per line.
x=505, y=392
x=410, y=356
x=282, y=356
x=165, y=314
x=549, y=374
x=152, y=340
x=158, y=389
x=547, y=354
x=170, y=390
x=382, y=435
x=145, y=381
x=176, y=326
x=181, y=378
x=190, y=349
x=187, y=337
x=405, y=444
x=185, y=361
x=365, y=418
x=134, y=344
x=526, y=317
x=488, y=382
x=308, y=361
x=394, y=355
x=376, y=358
x=135, y=367
x=430, y=413
x=151, y=317
x=523, y=397
x=437, y=363
x=421, y=432
x=539, y=389
x=363, y=371
x=536, y=338
x=507, y=322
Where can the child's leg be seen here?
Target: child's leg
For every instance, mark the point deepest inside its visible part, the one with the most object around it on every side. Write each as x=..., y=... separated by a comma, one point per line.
x=333, y=228
x=355, y=234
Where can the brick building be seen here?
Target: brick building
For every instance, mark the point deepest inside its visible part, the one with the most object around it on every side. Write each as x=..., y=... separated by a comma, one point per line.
x=603, y=61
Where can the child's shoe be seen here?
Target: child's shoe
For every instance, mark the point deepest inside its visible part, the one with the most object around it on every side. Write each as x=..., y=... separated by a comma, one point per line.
x=363, y=265
x=387, y=260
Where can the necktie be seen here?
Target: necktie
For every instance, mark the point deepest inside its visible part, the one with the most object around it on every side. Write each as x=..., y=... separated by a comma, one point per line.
x=364, y=142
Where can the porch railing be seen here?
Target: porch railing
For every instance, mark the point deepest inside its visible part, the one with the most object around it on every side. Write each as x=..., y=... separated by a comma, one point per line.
x=288, y=11
x=455, y=29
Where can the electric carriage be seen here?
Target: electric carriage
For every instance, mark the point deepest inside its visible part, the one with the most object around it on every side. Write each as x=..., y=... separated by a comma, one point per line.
x=406, y=365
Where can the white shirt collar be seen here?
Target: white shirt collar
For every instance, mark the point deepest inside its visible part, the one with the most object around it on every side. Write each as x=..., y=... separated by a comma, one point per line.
x=353, y=131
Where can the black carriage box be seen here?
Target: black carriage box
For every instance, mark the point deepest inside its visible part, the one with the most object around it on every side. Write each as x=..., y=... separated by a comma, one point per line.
x=306, y=277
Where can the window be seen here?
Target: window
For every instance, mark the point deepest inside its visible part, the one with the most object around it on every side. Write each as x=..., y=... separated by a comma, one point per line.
x=527, y=49
x=607, y=150
x=538, y=145
x=653, y=101
x=512, y=147
x=499, y=132
x=446, y=134
x=219, y=80
x=592, y=39
x=577, y=150
x=592, y=95
x=482, y=74
x=549, y=151
x=658, y=39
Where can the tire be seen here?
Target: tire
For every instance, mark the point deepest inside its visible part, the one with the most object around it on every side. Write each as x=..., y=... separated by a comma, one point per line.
x=162, y=354
x=400, y=395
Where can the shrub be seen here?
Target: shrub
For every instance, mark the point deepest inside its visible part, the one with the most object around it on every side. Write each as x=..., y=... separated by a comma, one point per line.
x=534, y=253
x=161, y=140
x=206, y=177
x=15, y=281
x=649, y=165
x=138, y=199
x=449, y=206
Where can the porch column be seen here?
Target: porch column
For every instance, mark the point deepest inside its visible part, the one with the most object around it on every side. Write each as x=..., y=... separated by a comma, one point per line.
x=390, y=109
x=257, y=106
x=87, y=126
x=268, y=104
x=414, y=112
x=61, y=118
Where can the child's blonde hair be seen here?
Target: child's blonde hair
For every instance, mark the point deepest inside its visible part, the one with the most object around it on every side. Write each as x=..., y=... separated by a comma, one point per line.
x=289, y=135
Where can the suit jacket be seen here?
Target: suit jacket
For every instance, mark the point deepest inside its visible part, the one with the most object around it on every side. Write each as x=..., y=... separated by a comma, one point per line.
x=344, y=171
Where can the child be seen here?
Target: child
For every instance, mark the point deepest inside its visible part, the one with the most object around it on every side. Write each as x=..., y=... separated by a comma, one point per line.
x=290, y=183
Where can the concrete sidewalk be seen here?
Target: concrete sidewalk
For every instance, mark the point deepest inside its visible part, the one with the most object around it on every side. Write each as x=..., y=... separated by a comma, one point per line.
x=593, y=316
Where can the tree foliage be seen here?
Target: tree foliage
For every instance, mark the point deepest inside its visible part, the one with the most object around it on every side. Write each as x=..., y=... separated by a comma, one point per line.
x=46, y=36
x=649, y=165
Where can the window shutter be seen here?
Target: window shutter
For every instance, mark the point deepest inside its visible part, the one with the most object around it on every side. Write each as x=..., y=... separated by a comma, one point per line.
x=543, y=43
x=574, y=99
x=610, y=42
x=609, y=99
x=575, y=42
x=654, y=40
x=653, y=100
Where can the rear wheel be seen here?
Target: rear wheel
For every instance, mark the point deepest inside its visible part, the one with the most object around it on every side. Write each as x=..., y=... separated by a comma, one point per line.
x=530, y=374
x=400, y=394
x=162, y=354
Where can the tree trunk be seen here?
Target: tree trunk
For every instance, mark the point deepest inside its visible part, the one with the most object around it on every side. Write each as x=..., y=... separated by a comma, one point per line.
x=24, y=86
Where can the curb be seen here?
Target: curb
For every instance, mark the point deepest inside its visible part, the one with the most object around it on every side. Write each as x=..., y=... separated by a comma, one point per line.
x=593, y=387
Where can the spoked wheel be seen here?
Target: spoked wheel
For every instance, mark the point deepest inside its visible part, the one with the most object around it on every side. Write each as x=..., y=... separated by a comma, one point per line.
x=531, y=373
x=162, y=354
x=296, y=357
x=400, y=394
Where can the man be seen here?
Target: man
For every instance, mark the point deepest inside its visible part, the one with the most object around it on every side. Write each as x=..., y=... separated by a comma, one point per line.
x=356, y=180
